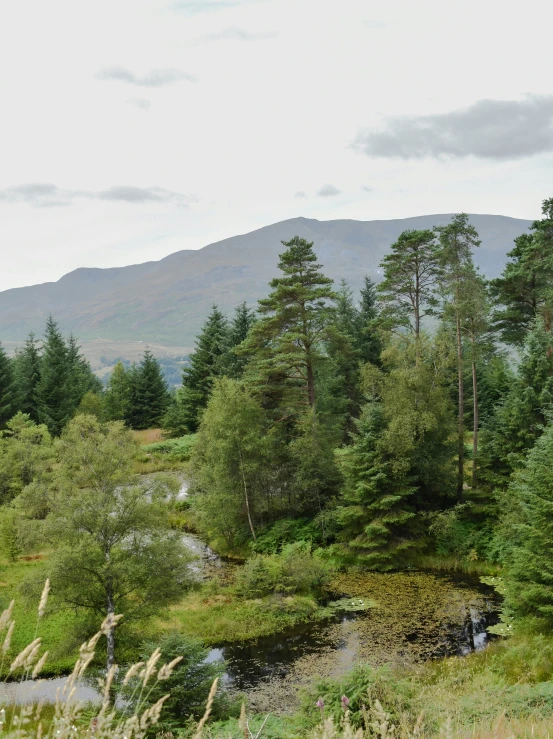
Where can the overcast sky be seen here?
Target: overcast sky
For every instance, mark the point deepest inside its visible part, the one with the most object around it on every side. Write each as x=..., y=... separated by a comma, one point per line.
x=130, y=129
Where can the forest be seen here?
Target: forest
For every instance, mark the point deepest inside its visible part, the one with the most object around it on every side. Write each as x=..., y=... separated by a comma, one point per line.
x=326, y=449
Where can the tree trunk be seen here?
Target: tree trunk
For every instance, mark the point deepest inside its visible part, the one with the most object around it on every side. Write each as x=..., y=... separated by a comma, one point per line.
x=310, y=383
x=475, y=424
x=110, y=636
x=246, y=496
x=461, y=432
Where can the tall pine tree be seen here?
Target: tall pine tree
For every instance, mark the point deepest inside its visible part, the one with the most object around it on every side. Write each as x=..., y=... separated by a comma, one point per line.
x=54, y=398
x=148, y=394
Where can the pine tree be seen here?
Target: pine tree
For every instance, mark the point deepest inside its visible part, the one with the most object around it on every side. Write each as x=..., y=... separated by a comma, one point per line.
x=528, y=535
x=457, y=241
x=7, y=389
x=54, y=398
x=116, y=394
x=287, y=340
x=148, y=394
x=205, y=365
x=526, y=287
x=409, y=286
x=27, y=376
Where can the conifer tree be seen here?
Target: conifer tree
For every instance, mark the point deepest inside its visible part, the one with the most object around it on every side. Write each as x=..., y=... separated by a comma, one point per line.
x=457, y=241
x=409, y=286
x=27, y=375
x=528, y=534
x=7, y=389
x=519, y=419
x=206, y=363
x=287, y=340
x=369, y=340
x=233, y=362
x=81, y=379
x=54, y=399
x=526, y=287
x=148, y=394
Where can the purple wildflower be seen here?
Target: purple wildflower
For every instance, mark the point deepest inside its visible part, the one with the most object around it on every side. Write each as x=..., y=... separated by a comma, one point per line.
x=320, y=703
x=345, y=702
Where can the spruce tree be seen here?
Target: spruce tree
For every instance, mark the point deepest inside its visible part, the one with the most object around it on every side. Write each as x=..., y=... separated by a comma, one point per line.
x=377, y=506
x=526, y=287
x=27, y=376
x=233, y=361
x=528, y=535
x=148, y=394
x=409, y=286
x=81, y=379
x=287, y=340
x=205, y=365
x=8, y=398
x=54, y=398
x=519, y=419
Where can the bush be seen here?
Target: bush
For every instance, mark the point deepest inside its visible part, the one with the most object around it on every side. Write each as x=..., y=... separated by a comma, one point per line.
x=286, y=531
x=296, y=570
x=175, y=450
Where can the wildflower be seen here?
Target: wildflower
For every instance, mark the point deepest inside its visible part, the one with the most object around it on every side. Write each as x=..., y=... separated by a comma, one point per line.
x=345, y=702
x=320, y=703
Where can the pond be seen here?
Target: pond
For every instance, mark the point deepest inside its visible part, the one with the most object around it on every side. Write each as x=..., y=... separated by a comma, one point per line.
x=416, y=616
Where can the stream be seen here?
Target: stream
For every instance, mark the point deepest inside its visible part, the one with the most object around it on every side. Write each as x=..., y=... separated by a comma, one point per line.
x=418, y=616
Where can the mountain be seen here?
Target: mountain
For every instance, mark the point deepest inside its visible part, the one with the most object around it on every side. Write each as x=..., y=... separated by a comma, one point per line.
x=164, y=303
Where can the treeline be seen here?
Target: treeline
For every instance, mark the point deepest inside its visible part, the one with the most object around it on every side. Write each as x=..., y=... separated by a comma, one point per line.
x=50, y=381
x=383, y=427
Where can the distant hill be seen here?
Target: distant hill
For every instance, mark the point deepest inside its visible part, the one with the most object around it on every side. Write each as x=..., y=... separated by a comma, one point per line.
x=164, y=303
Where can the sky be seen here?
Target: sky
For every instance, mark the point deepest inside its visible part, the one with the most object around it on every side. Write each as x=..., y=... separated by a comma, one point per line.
x=131, y=129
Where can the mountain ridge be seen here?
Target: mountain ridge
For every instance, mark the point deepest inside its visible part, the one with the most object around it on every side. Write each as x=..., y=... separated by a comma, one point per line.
x=165, y=301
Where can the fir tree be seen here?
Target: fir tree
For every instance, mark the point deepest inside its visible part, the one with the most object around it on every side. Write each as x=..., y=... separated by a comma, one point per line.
x=54, y=399
x=519, y=419
x=7, y=389
x=206, y=363
x=287, y=340
x=528, y=535
x=27, y=376
x=233, y=362
x=81, y=379
x=148, y=394
x=526, y=287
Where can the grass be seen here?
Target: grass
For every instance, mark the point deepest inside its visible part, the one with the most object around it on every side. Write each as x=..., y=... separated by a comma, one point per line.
x=148, y=436
x=222, y=617
x=452, y=563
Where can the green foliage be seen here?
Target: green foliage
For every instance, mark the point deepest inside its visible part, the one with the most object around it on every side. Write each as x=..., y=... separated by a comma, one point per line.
x=116, y=396
x=148, y=396
x=408, y=291
x=176, y=450
x=55, y=401
x=188, y=685
x=528, y=533
x=205, y=365
x=286, y=342
x=113, y=550
x=10, y=535
x=232, y=464
x=525, y=291
x=286, y=531
x=7, y=388
x=91, y=404
x=295, y=570
x=26, y=455
x=26, y=365
x=519, y=419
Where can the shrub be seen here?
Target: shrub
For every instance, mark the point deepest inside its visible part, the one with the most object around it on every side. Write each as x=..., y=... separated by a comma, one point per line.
x=176, y=450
